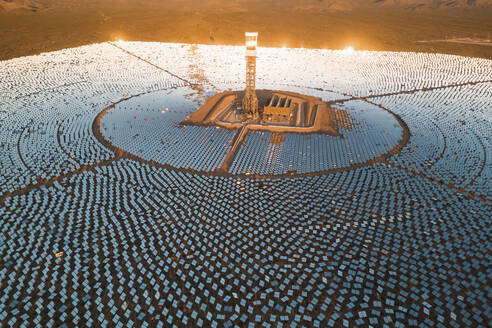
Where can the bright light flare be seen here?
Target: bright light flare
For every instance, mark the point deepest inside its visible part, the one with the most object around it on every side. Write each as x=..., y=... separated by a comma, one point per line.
x=349, y=49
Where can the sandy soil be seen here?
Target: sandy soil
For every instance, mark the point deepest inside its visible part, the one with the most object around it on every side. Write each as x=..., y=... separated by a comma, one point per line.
x=30, y=27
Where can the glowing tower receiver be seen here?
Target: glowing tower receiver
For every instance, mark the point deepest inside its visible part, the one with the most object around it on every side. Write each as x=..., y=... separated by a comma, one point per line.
x=250, y=101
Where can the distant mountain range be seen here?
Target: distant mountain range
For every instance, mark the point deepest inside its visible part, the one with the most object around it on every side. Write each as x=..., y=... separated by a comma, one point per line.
x=31, y=5
x=398, y=4
x=337, y=5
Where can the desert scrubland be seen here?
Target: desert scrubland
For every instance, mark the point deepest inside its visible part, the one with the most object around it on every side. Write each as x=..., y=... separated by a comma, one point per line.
x=455, y=27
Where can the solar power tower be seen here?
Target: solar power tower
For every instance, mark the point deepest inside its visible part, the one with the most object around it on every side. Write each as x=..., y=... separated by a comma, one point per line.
x=250, y=101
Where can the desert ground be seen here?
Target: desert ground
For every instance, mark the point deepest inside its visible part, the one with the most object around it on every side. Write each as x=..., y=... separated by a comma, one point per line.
x=29, y=27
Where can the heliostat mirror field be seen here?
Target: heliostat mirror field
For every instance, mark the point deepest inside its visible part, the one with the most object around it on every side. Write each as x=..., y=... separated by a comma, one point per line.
x=113, y=213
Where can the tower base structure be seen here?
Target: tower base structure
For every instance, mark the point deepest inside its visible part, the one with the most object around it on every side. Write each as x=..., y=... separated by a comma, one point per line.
x=250, y=104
